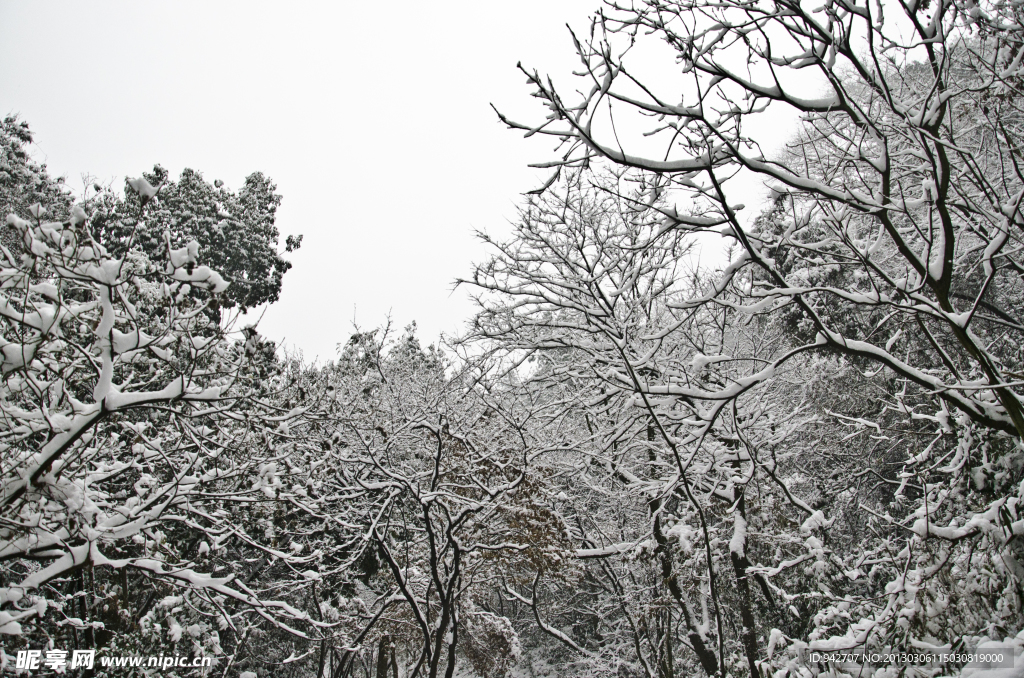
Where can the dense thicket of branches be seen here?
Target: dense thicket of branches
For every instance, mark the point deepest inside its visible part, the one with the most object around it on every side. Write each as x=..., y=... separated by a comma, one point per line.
x=878, y=292
x=632, y=464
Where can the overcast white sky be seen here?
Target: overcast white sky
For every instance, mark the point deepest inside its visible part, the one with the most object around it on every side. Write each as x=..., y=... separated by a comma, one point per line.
x=372, y=118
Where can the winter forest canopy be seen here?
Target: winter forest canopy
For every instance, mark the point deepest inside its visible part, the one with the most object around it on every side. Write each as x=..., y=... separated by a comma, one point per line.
x=630, y=464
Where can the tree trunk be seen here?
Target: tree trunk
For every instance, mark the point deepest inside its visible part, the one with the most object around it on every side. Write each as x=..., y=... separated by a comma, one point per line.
x=382, y=656
x=748, y=635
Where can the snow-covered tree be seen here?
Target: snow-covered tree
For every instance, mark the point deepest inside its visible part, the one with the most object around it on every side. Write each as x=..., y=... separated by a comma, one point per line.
x=24, y=182
x=887, y=258
x=737, y=462
x=236, y=228
x=134, y=442
x=422, y=475
x=586, y=287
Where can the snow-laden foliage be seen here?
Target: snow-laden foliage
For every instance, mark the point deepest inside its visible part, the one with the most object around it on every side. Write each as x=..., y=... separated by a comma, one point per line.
x=24, y=182
x=130, y=440
x=237, y=229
